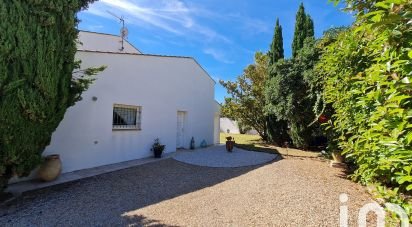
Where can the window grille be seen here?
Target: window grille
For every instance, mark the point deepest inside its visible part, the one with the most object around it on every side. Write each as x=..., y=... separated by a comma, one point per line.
x=126, y=117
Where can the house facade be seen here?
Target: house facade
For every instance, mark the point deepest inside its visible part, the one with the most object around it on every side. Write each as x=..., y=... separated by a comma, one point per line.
x=136, y=99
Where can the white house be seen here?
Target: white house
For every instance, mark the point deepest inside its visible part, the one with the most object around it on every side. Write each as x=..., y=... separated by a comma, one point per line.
x=138, y=98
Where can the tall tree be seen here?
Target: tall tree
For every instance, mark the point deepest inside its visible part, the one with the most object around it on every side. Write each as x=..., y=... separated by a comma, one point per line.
x=304, y=28
x=276, y=129
x=247, y=101
x=38, y=46
x=300, y=30
x=309, y=27
x=287, y=94
x=276, y=51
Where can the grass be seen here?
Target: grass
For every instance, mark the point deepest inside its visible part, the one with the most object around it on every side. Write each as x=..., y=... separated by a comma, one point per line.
x=255, y=143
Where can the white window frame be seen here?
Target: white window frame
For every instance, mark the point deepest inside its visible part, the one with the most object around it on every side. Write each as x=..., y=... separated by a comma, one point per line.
x=138, y=121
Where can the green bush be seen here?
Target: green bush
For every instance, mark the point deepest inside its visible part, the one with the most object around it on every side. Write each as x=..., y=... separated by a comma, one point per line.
x=37, y=49
x=367, y=82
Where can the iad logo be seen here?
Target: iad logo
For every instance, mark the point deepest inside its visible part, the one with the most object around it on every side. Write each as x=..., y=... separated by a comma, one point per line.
x=371, y=207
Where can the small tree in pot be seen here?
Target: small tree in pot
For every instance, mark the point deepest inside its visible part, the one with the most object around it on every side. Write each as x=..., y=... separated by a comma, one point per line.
x=157, y=148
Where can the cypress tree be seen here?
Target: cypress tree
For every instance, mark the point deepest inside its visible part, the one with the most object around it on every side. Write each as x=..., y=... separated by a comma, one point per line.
x=38, y=46
x=276, y=51
x=276, y=129
x=300, y=30
x=310, y=30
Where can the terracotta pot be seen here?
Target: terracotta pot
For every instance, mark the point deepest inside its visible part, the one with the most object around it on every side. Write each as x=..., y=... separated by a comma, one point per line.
x=229, y=145
x=51, y=168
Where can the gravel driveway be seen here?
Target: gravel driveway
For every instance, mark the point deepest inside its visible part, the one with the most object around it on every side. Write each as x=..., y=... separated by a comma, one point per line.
x=290, y=192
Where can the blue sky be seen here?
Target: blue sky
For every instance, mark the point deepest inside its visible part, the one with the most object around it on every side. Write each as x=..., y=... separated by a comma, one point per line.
x=221, y=35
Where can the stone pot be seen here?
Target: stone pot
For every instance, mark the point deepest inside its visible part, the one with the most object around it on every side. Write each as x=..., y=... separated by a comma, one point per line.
x=51, y=168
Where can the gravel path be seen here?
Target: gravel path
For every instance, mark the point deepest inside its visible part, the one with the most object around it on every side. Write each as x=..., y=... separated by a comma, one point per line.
x=217, y=156
x=290, y=192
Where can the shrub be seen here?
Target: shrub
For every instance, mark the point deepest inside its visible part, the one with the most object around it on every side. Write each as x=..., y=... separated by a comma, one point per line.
x=367, y=82
x=37, y=49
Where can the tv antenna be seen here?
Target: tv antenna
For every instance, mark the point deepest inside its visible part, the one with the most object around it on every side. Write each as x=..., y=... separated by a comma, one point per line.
x=123, y=31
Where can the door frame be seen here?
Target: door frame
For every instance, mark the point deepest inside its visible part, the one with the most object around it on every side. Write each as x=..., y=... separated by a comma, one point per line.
x=180, y=141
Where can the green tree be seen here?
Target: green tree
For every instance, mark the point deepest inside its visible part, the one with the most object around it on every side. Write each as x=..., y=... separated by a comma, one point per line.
x=243, y=129
x=246, y=102
x=287, y=94
x=304, y=28
x=38, y=46
x=277, y=129
x=288, y=101
x=276, y=51
x=300, y=30
x=309, y=27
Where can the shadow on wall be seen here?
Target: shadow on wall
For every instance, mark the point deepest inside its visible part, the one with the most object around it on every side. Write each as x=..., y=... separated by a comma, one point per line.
x=114, y=198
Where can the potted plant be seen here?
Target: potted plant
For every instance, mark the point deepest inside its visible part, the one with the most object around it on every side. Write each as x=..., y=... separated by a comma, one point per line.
x=229, y=143
x=51, y=168
x=157, y=148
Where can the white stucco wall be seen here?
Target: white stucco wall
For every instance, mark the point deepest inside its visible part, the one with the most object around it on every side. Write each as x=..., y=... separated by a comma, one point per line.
x=160, y=85
x=104, y=42
x=228, y=124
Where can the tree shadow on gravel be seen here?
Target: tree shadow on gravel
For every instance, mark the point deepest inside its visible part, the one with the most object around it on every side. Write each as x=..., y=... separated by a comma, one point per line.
x=107, y=197
x=140, y=220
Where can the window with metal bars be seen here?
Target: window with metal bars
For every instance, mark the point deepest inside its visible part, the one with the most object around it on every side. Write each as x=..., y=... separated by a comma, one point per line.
x=126, y=117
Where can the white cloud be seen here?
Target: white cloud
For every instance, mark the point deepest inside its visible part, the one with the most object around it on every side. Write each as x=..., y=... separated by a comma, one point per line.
x=173, y=16
x=218, y=55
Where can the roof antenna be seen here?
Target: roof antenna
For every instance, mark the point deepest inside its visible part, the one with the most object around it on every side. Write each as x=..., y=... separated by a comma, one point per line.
x=123, y=31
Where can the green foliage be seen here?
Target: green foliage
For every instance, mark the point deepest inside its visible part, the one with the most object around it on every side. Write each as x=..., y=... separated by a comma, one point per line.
x=287, y=94
x=276, y=129
x=367, y=82
x=243, y=129
x=246, y=102
x=276, y=51
x=304, y=28
x=310, y=32
x=37, y=49
x=288, y=98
